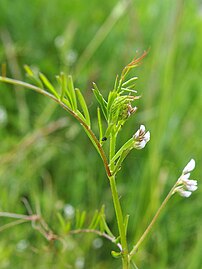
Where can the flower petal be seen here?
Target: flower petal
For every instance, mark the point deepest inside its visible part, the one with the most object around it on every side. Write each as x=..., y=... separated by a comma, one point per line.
x=189, y=167
x=192, y=182
x=185, y=177
x=136, y=135
x=147, y=136
x=142, y=128
x=140, y=145
x=184, y=193
x=191, y=187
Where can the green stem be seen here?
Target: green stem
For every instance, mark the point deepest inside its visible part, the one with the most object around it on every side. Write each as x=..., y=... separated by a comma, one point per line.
x=135, y=248
x=117, y=205
x=112, y=148
x=120, y=221
x=85, y=126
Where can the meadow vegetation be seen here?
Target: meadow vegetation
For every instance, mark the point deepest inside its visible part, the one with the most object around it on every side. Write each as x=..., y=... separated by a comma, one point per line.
x=46, y=162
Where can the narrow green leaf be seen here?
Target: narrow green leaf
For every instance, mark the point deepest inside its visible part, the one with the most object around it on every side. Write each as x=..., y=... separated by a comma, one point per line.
x=126, y=223
x=101, y=100
x=102, y=227
x=94, y=220
x=84, y=107
x=102, y=218
x=78, y=215
x=116, y=83
x=82, y=219
x=81, y=116
x=68, y=227
x=109, y=130
x=106, y=227
x=65, y=95
x=61, y=220
x=111, y=99
x=100, y=124
x=33, y=77
x=28, y=71
x=66, y=102
x=63, y=85
x=129, y=82
x=119, y=161
x=71, y=90
x=128, y=90
x=118, y=89
x=49, y=86
x=126, y=146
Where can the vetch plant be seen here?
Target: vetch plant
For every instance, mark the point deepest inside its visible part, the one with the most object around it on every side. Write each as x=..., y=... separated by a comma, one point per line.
x=114, y=110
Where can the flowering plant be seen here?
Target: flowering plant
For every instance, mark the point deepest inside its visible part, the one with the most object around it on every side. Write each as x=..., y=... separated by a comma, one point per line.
x=114, y=110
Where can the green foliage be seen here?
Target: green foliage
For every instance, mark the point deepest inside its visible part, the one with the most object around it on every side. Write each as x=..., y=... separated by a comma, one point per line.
x=48, y=170
x=101, y=100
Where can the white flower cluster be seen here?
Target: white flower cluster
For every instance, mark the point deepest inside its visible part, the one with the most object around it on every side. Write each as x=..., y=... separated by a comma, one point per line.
x=141, y=137
x=186, y=186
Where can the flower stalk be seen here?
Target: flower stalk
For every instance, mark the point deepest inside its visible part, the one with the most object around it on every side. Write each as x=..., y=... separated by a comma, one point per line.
x=148, y=229
x=181, y=183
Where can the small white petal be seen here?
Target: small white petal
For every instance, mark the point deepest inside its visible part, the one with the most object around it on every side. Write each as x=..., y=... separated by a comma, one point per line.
x=142, y=128
x=136, y=135
x=192, y=182
x=140, y=145
x=185, y=177
x=191, y=187
x=184, y=193
x=189, y=167
x=147, y=136
x=189, y=182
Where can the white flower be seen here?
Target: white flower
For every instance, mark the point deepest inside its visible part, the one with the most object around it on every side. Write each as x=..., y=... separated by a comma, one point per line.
x=183, y=192
x=191, y=185
x=186, y=186
x=189, y=167
x=141, y=137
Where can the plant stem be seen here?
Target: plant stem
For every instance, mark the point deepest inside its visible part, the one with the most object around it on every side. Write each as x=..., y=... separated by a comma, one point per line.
x=117, y=205
x=135, y=248
x=120, y=222
x=85, y=126
x=97, y=232
x=112, y=148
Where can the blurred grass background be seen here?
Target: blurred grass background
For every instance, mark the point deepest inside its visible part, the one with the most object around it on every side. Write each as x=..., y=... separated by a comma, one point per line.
x=44, y=155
